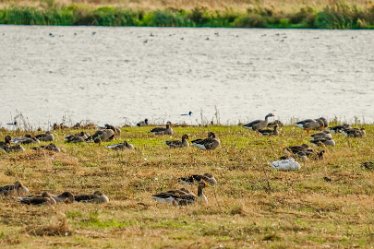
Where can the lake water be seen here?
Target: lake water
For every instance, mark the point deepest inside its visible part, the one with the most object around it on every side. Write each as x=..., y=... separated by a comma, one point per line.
x=123, y=75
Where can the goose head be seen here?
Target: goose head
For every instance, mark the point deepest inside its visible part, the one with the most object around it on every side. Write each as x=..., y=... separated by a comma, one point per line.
x=146, y=121
x=209, y=178
x=8, y=139
x=269, y=115
x=211, y=135
x=21, y=188
x=185, y=137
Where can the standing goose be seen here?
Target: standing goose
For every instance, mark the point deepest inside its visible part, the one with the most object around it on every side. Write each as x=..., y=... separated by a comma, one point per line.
x=14, y=189
x=207, y=177
x=210, y=143
x=122, y=146
x=96, y=197
x=270, y=132
x=182, y=197
x=163, y=130
x=46, y=137
x=259, y=124
x=45, y=198
x=178, y=143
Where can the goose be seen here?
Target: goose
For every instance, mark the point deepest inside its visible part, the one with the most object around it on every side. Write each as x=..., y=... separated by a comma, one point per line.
x=61, y=126
x=27, y=139
x=208, y=178
x=7, y=141
x=209, y=143
x=259, y=124
x=14, y=189
x=286, y=164
x=50, y=147
x=297, y=149
x=46, y=137
x=182, y=197
x=66, y=197
x=339, y=128
x=121, y=146
x=44, y=199
x=163, y=130
x=117, y=131
x=96, y=197
x=323, y=142
x=369, y=165
x=77, y=138
x=103, y=135
x=178, y=143
x=142, y=123
x=275, y=122
x=313, y=124
x=354, y=132
x=322, y=135
x=270, y=132
x=14, y=148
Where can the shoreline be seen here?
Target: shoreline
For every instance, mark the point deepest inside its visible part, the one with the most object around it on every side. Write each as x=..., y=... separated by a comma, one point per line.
x=336, y=16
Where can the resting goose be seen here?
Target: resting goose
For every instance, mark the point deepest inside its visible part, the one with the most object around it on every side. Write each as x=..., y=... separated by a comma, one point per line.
x=270, y=132
x=313, y=124
x=178, y=143
x=339, y=128
x=46, y=137
x=14, y=189
x=354, y=132
x=103, y=135
x=182, y=197
x=50, y=147
x=117, y=131
x=275, y=122
x=210, y=143
x=286, y=164
x=121, y=146
x=77, y=138
x=208, y=178
x=44, y=199
x=66, y=197
x=27, y=139
x=163, y=130
x=142, y=123
x=259, y=124
x=96, y=197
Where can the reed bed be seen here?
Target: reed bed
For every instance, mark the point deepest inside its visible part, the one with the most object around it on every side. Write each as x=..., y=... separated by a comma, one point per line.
x=252, y=206
x=334, y=15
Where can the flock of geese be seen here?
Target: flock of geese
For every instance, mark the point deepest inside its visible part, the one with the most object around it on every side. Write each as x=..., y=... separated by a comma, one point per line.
x=180, y=196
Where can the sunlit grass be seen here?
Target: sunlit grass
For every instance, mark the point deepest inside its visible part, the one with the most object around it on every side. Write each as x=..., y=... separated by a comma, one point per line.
x=252, y=206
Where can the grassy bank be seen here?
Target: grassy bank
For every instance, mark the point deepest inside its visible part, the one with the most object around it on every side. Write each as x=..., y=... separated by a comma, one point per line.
x=337, y=15
x=255, y=206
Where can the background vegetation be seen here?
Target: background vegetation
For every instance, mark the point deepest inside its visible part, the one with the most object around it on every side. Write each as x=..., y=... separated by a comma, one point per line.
x=253, y=205
x=240, y=14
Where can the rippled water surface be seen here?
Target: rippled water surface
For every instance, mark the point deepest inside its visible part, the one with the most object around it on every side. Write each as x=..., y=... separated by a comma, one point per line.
x=122, y=75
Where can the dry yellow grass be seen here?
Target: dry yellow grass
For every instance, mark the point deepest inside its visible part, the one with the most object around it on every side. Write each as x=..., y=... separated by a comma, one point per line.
x=237, y=5
x=256, y=206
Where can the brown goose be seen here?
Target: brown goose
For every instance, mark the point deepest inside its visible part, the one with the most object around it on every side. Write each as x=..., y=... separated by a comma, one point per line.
x=210, y=143
x=208, y=178
x=66, y=197
x=182, y=197
x=96, y=197
x=103, y=135
x=322, y=138
x=259, y=124
x=275, y=122
x=14, y=189
x=117, y=131
x=313, y=124
x=77, y=138
x=122, y=146
x=50, y=147
x=46, y=137
x=270, y=132
x=163, y=130
x=178, y=143
x=44, y=199
x=354, y=132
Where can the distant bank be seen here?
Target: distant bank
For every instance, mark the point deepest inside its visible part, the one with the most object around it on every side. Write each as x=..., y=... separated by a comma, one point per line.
x=339, y=15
